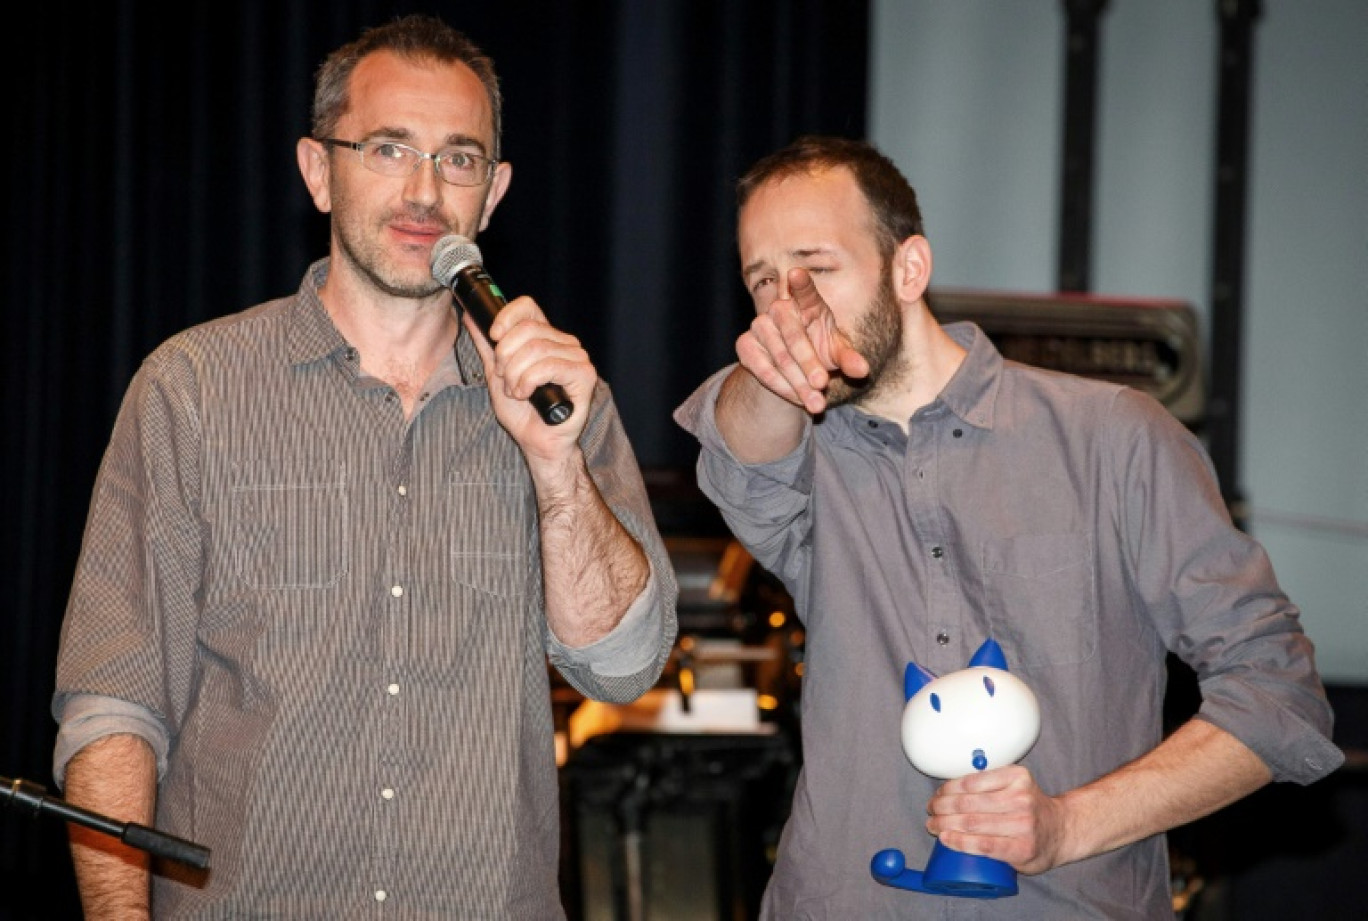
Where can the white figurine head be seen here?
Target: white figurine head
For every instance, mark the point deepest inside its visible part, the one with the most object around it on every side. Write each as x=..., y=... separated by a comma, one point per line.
x=977, y=718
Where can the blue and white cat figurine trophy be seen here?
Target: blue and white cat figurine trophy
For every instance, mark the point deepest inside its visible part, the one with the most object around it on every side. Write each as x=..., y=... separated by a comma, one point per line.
x=977, y=718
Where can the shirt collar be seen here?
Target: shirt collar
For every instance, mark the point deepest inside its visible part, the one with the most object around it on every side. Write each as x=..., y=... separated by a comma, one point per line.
x=313, y=337
x=972, y=391
x=970, y=395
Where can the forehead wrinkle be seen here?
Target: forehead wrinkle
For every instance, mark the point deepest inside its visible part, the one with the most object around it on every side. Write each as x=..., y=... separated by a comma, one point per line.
x=804, y=252
x=798, y=253
x=751, y=268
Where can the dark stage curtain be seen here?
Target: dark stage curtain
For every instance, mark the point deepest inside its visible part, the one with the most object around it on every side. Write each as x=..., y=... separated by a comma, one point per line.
x=150, y=183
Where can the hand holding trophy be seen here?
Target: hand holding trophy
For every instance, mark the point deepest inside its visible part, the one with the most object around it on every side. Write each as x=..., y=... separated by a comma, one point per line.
x=969, y=720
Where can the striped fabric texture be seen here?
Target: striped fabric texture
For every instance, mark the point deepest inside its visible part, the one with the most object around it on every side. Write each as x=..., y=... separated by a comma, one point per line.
x=337, y=615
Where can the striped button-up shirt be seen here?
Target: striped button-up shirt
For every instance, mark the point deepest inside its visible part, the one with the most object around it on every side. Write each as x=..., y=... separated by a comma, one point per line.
x=328, y=622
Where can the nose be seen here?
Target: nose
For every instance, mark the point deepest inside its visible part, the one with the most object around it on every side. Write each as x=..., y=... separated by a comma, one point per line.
x=423, y=186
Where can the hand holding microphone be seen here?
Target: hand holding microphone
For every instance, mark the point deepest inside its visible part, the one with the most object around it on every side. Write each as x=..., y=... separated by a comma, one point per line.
x=457, y=264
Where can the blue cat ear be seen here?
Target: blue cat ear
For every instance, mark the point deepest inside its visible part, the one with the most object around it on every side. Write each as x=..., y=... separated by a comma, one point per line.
x=990, y=654
x=914, y=679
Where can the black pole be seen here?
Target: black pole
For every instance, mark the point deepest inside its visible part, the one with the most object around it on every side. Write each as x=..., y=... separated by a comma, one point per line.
x=1228, y=246
x=1080, y=120
x=32, y=797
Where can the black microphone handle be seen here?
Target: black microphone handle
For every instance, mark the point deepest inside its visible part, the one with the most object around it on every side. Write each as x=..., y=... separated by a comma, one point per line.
x=23, y=793
x=478, y=296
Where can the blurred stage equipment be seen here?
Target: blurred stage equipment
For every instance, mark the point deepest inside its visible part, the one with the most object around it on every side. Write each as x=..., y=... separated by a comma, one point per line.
x=673, y=804
x=1150, y=344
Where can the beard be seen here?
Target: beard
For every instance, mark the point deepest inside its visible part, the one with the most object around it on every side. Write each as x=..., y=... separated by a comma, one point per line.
x=878, y=338
x=363, y=251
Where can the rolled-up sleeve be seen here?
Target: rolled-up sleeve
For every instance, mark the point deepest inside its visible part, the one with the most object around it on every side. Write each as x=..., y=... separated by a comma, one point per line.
x=1213, y=595
x=86, y=718
x=127, y=652
x=628, y=661
x=629, y=648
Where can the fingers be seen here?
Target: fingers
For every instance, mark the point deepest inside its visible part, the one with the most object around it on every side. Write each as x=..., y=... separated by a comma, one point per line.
x=529, y=352
x=803, y=290
x=1000, y=814
x=781, y=354
x=794, y=345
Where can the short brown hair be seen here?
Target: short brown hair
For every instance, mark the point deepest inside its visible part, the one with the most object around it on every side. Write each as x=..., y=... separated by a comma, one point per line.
x=415, y=36
x=891, y=198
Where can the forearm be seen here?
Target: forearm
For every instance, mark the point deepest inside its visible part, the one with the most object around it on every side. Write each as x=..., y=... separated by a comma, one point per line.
x=1196, y=771
x=758, y=425
x=115, y=776
x=592, y=568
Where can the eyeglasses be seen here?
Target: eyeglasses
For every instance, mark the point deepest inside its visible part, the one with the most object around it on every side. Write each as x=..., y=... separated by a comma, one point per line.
x=389, y=158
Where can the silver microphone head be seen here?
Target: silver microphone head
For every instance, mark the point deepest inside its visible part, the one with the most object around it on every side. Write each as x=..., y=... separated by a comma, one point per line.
x=451, y=254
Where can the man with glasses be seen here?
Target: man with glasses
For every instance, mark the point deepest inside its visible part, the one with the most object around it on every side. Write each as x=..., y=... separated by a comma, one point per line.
x=332, y=547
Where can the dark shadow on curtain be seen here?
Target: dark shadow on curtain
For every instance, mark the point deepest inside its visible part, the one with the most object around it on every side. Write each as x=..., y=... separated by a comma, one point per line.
x=149, y=184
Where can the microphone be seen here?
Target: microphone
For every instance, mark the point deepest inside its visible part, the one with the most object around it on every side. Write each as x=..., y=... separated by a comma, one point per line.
x=33, y=797
x=456, y=263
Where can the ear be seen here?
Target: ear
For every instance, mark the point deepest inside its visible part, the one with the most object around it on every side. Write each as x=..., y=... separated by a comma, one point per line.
x=503, y=175
x=914, y=679
x=990, y=654
x=912, y=269
x=316, y=168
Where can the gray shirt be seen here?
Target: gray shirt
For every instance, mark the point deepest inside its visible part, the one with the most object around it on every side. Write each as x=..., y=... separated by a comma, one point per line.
x=328, y=622
x=1075, y=522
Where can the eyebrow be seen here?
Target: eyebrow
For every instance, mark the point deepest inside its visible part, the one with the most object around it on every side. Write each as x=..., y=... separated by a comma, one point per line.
x=405, y=135
x=801, y=253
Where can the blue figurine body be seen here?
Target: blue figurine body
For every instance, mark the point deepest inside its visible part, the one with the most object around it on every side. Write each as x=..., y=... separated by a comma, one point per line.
x=977, y=718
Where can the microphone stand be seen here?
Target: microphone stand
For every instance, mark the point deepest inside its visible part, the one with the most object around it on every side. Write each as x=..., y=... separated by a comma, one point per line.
x=24, y=794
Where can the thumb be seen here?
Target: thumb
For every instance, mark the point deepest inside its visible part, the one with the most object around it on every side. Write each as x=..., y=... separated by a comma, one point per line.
x=847, y=358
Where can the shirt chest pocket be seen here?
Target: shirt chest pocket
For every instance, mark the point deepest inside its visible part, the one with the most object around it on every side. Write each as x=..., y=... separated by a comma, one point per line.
x=291, y=535
x=488, y=519
x=1040, y=597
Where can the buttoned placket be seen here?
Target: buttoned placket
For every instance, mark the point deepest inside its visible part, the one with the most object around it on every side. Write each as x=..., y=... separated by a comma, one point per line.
x=397, y=597
x=921, y=479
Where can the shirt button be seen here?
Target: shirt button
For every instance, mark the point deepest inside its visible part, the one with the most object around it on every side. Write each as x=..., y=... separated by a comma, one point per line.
x=381, y=895
x=937, y=552
x=389, y=397
x=392, y=690
x=943, y=638
x=403, y=490
x=958, y=433
x=397, y=590
x=387, y=793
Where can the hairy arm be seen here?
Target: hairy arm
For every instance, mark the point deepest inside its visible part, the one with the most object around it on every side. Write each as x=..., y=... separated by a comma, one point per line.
x=1197, y=770
x=592, y=568
x=757, y=425
x=115, y=776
